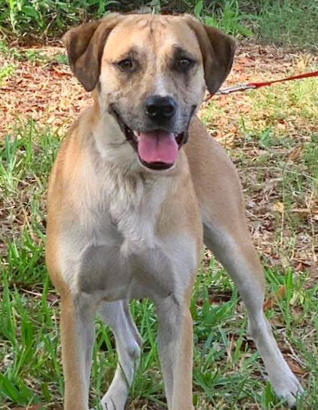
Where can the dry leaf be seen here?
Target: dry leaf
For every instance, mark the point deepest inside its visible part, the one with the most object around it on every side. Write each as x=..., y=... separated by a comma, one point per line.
x=278, y=207
x=295, y=368
x=273, y=299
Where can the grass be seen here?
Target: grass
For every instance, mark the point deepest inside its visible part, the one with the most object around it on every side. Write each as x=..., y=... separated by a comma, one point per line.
x=46, y=17
x=286, y=22
x=227, y=370
x=16, y=54
x=289, y=22
x=5, y=72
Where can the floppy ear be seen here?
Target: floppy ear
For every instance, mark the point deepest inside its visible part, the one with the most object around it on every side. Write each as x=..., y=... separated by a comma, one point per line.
x=85, y=45
x=217, y=51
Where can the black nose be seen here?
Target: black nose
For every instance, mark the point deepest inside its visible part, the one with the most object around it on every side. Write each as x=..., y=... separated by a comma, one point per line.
x=160, y=108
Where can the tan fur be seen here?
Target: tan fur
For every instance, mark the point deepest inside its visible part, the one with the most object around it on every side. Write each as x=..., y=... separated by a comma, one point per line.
x=118, y=231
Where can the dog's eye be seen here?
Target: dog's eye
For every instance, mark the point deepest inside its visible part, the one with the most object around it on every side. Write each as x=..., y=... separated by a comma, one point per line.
x=127, y=64
x=183, y=64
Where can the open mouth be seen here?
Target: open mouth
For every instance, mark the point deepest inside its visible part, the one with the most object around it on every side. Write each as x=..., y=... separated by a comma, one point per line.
x=157, y=149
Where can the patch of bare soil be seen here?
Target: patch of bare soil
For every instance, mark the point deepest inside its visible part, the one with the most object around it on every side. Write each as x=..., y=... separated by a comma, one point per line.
x=47, y=93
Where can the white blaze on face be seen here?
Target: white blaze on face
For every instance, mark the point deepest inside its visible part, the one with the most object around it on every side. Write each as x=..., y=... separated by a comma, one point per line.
x=160, y=87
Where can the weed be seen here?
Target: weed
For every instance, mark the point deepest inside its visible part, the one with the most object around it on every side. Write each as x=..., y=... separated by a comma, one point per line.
x=23, y=17
x=281, y=22
x=33, y=55
x=15, y=54
x=289, y=22
x=229, y=19
x=61, y=59
x=6, y=71
x=9, y=52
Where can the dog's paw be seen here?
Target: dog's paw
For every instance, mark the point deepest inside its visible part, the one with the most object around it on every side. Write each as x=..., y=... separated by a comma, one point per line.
x=109, y=403
x=288, y=388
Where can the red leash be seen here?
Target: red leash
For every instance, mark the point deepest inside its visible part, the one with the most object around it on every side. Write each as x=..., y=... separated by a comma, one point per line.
x=249, y=86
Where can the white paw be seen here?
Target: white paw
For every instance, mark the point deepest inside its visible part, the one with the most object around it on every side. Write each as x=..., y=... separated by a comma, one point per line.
x=288, y=388
x=109, y=403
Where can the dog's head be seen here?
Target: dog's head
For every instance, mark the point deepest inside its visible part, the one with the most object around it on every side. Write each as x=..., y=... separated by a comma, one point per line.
x=150, y=72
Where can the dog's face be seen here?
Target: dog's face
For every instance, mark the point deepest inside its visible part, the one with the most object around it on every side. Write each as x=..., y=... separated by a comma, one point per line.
x=150, y=73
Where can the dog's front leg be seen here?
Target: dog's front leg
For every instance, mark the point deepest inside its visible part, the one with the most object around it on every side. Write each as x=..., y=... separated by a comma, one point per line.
x=175, y=351
x=77, y=335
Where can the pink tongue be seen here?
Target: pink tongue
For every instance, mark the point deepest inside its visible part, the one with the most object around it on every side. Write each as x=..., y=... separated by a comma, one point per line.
x=157, y=146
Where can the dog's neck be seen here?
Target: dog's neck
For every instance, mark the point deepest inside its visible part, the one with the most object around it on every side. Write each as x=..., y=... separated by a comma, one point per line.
x=111, y=170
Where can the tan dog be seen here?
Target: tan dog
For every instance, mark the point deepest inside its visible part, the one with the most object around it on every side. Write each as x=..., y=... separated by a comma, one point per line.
x=127, y=203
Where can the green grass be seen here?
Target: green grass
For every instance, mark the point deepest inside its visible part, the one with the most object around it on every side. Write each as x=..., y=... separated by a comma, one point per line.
x=29, y=18
x=5, y=72
x=286, y=22
x=15, y=54
x=289, y=22
x=227, y=369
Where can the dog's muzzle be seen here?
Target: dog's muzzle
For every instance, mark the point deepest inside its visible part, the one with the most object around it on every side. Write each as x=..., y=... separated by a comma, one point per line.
x=156, y=149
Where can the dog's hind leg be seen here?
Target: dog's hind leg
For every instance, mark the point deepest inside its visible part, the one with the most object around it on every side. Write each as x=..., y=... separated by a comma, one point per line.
x=128, y=344
x=239, y=258
x=226, y=233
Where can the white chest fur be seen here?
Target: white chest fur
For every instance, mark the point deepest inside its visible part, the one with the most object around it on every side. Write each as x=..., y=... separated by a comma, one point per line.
x=112, y=249
x=134, y=206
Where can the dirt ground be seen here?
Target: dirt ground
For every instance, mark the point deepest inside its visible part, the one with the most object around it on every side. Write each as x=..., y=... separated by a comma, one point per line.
x=48, y=93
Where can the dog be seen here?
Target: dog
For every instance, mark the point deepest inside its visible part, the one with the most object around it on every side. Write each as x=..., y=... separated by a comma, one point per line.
x=136, y=188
